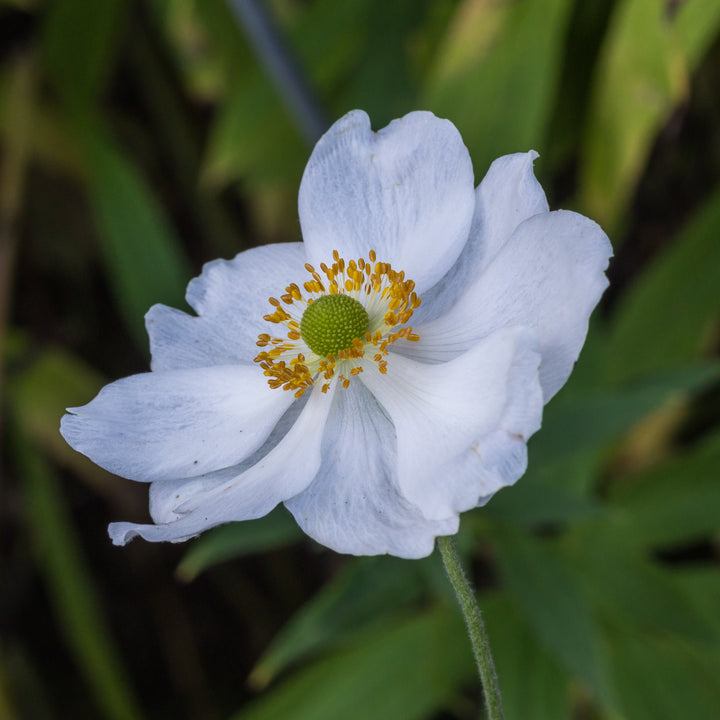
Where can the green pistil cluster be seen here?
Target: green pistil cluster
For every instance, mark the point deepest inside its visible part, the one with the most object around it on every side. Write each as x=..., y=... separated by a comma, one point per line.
x=332, y=322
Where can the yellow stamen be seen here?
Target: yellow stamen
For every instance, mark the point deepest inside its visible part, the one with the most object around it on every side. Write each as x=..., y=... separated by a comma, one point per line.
x=388, y=298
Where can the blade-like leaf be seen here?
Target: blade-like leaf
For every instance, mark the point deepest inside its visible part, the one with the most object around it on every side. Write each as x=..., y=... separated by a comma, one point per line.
x=404, y=672
x=42, y=390
x=368, y=592
x=143, y=258
x=7, y=710
x=496, y=74
x=548, y=595
x=79, y=40
x=586, y=422
x=253, y=137
x=532, y=683
x=641, y=76
x=238, y=539
x=637, y=595
x=71, y=588
x=676, y=503
x=534, y=502
x=698, y=24
x=663, y=320
x=701, y=584
x=665, y=680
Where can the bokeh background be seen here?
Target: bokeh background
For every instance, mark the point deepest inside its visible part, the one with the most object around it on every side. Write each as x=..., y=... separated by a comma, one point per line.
x=142, y=139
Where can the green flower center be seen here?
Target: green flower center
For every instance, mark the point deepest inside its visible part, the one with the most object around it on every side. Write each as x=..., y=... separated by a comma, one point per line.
x=332, y=322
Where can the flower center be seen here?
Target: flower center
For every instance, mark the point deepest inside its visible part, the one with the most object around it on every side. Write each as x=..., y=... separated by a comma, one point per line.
x=350, y=316
x=332, y=322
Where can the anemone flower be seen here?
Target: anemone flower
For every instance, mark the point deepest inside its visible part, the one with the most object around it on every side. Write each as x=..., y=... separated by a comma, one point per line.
x=378, y=378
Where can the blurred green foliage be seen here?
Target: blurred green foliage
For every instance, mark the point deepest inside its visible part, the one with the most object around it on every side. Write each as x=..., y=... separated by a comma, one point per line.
x=141, y=139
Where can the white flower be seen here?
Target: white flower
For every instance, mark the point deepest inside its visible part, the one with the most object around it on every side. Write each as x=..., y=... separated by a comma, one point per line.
x=421, y=411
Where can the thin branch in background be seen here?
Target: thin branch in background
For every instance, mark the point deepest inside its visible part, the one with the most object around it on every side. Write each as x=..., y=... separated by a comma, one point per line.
x=276, y=57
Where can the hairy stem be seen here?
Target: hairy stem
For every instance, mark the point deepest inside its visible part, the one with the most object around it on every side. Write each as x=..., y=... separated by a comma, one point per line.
x=476, y=628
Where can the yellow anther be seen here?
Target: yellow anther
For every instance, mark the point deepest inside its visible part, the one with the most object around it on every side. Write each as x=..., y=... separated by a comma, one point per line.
x=388, y=298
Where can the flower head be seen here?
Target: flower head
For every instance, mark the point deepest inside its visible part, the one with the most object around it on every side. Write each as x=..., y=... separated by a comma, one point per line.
x=379, y=378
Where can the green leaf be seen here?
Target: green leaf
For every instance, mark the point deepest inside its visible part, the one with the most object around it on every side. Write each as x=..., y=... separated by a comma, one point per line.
x=345, y=48
x=698, y=23
x=237, y=539
x=143, y=258
x=368, y=592
x=41, y=391
x=404, y=672
x=589, y=421
x=535, y=502
x=637, y=595
x=49, y=142
x=665, y=679
x=254, y=137
x=29, y=691
x=497, y=73
x=7, y=710
x=555, y=609
x=533, y=685
x=663, y=320
x=641, y=76
x=43, y=383
x=701, y=586
x=71, y=588
x=79, y=43
x=573, y=434
x=368, y=84
x=214, y=23
x=677, y=503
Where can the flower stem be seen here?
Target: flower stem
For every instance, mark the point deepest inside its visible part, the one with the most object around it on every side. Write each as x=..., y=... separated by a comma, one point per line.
x=475, y=626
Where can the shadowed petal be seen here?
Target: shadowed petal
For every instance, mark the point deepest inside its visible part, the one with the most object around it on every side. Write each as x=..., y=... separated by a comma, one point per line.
x=179, y=423
x=487, y=396
x=204, y=503
x=354, y=504
x=167, y=497
x=549, y=276
x=508, y=195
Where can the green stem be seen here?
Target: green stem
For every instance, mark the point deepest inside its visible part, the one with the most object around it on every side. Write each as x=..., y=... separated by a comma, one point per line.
x=475, y=626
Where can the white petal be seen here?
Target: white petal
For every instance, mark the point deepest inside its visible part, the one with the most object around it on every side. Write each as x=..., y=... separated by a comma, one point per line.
x=549, y=276
x=169, y=498
x=202, y=503
x=179, y=423
x=354, y=504
x=508, y=195
x=495, y=461
x=179, y=341
x=443, y=411
x=230, y=297
x=406, y=192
